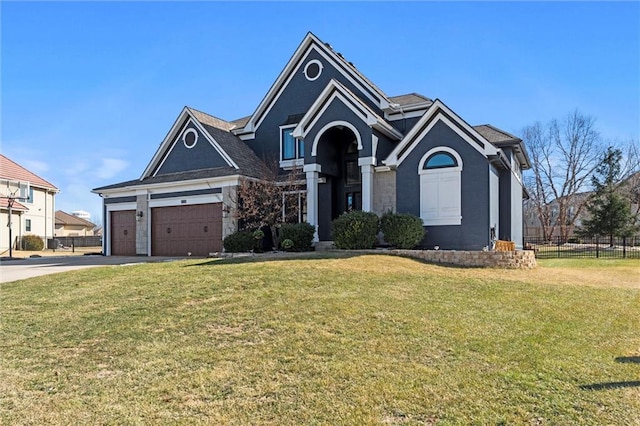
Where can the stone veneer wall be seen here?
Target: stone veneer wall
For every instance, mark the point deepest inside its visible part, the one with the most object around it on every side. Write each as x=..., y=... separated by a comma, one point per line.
x=384, y=192
x=229, y=222
x=520, y=259
x=142, y=227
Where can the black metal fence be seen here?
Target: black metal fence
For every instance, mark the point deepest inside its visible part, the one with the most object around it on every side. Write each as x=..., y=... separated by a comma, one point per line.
x=61, y=242
x=602, y=247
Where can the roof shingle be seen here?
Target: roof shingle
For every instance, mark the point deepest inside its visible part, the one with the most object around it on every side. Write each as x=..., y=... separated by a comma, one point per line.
x=11, y=170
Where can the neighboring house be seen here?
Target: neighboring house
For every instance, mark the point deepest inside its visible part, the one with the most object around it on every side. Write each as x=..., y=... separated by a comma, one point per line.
x=33, y=213
x=68, y=225
x=357, y=147
x=576, y=208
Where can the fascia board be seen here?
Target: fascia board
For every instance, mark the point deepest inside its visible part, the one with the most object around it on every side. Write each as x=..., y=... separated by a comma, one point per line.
x=203, y=183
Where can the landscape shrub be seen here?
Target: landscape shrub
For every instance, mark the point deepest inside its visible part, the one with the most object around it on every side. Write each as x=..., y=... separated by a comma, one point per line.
x=300, y=234
x=241, y=241
x=355, y=230
x=402, y=230
x=32, y=243
x=287, y=244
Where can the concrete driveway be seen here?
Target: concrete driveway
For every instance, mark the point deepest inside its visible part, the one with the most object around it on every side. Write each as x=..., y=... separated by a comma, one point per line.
x=18, y=269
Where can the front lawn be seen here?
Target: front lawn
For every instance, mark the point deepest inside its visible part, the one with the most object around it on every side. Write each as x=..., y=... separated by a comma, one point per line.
x=329, y=339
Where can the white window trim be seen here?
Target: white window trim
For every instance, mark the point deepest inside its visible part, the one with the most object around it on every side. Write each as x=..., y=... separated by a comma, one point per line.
x=294, y=162
x=424, y=176
x=313, y=61
x=184, y=135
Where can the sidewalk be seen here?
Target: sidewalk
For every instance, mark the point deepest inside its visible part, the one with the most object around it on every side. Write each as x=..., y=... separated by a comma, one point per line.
x=67, y=251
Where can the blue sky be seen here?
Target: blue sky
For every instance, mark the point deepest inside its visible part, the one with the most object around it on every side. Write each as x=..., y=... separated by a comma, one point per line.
x=90, y=89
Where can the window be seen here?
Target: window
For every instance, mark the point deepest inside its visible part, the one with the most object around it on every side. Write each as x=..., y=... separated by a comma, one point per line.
x=294, y=207
x=189, y=138
x=291, y=149
x=26, y=193
x=440, y=187
x=313, y=69
x=27, y=225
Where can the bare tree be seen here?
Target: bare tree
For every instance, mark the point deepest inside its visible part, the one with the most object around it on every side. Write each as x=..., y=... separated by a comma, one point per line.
x=563, y=156
x=268, y=201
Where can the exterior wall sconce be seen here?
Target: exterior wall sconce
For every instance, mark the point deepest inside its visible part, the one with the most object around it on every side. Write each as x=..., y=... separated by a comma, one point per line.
x=139, y=215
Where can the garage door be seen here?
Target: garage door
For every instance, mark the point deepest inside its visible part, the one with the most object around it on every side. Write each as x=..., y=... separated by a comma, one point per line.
x=123, y=233
x=180, y=230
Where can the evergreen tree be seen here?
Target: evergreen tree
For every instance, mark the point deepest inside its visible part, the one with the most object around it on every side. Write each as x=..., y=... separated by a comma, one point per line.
x=610, y=211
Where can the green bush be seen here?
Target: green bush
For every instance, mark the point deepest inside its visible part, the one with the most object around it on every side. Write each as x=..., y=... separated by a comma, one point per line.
x=402, y=230
x=355, y=230
x=32, y=243
x=287, y=244
x=300, y=234
x=241, y=241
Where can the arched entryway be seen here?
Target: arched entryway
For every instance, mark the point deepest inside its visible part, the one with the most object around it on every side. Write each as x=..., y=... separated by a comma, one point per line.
x=337, y=154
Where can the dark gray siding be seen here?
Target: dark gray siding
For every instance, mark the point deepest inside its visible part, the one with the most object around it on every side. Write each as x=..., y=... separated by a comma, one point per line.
x=186, y=193
x=404, y=125
x=385, y=146
x=116, y=200
x=202, y=156
x=473, y=233
x=297, y=97
x=505, y=205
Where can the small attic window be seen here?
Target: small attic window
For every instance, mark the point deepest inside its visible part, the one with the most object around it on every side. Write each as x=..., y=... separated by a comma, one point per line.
x=189, y=138
x=313, y=69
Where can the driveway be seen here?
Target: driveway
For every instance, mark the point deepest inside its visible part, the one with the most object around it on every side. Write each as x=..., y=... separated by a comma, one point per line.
x=12, y=270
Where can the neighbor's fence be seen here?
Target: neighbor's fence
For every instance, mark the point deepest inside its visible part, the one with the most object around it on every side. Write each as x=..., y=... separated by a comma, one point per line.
x=601, y=247
x=65, y=242
x=62, y=242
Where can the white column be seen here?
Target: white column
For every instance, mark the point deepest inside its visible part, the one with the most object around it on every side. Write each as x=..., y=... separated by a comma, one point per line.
x=313, y=174
x=366, y=166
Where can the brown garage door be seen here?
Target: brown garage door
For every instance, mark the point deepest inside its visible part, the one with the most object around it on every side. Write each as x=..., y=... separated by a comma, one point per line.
x=123, y=233
x=180, y=230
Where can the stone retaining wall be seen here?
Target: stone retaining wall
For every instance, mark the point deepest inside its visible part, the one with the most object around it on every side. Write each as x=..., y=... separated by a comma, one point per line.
x=520, y=259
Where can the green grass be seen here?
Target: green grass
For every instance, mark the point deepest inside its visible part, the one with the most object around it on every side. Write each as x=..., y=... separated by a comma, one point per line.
x=325, y=340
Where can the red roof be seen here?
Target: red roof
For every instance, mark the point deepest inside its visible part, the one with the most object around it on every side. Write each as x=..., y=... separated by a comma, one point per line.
x=4, y=205
x=14, y=171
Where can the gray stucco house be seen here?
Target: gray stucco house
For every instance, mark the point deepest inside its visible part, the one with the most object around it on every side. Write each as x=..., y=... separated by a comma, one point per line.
x=358, y=147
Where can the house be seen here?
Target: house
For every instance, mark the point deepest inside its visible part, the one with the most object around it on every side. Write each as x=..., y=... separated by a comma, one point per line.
x=68, y=225
x=357, y=147
x=32, y=204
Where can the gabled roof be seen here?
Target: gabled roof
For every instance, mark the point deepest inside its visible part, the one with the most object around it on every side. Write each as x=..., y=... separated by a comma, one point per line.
x=495, y=135
x=201, y=174
x=410, y=99
x=11, y=170
x=336, y=90
x=438, y=111
x=63, y=218
x=500, y=139
x=235, y=152
x=4, y=205
x=309, y=43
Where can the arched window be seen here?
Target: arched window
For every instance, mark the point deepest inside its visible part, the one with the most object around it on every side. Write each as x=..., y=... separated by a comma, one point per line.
x=440, y=171
x=439, y=160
